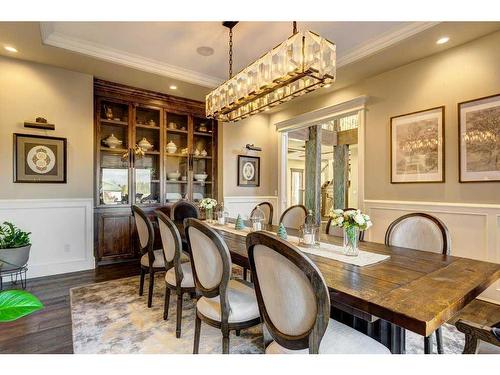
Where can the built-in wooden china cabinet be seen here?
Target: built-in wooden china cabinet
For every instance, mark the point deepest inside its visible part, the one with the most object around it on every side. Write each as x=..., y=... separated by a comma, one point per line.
x=181, y=164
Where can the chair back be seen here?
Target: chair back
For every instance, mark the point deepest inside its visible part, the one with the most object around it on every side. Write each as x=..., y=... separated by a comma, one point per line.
x=183, y=209
x=211, y=260
x=419, y=231
x=294, y=216
x=291, y=292
x=268, y=210
x=145, y=232
x=171, y=244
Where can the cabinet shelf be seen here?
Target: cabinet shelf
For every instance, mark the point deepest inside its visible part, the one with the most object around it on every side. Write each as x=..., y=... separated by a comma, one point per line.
x=203, y=134
x=176, y=182
x=113, y=122
x=176, y=131
x=202, y=157
x=114, y=150
x=152, y=152
x=152, y=127
x=176, y=155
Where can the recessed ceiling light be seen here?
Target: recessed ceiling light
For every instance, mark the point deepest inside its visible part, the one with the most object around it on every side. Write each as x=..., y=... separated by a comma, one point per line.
x=173, y=87
x=442, y=40
x=10, y=48
x=205, y=51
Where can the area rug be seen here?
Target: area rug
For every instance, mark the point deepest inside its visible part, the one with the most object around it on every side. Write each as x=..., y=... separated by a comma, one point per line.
x=111, y=317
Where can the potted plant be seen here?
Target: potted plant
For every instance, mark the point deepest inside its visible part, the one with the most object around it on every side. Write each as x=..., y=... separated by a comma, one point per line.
x=15, y=248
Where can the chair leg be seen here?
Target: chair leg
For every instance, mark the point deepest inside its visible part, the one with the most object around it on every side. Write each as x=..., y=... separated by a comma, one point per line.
x=439, y=341
x=428, y=344
x=151, y=287
x=179, y=316
x=238, y=332
x=167, y=303
x=244, y=273
x=141, y=283
x=197, y=331
x=225, y=341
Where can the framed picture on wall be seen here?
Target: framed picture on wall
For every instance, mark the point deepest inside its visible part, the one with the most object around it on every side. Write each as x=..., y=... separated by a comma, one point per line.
x=479, y=139
x=39, y=159
x=417, y=147
x=248, y=170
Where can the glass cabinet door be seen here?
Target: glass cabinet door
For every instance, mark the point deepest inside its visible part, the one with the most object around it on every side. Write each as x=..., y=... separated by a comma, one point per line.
x=203, y=153
x=176, y=157
x=146, y=156
x=114, y=160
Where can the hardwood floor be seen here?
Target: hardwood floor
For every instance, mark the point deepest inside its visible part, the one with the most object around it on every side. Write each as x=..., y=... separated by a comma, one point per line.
x=49, y=330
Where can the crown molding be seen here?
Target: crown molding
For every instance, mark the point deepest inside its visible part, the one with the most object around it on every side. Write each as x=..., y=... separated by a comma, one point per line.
x=383, y=41
x=99, y=51
x=352, y=105
x=56, y=39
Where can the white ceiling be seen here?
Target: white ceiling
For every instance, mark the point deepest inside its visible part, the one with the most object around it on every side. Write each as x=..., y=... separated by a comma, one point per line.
x=169, y=48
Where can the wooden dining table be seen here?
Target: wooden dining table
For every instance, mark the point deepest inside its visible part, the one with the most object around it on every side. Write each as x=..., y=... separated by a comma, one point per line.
x=411, y=290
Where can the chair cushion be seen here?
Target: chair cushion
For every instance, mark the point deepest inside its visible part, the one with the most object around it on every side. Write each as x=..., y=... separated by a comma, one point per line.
x=187, y=281
x=242, y=302
x=338, y=339
x=159, y=261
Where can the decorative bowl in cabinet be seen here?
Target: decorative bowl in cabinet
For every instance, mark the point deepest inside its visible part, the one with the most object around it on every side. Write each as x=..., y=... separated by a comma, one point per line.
x=145, y=145
x=171, y=147
x=173, y=176
x=200, y=176
x=112, y=141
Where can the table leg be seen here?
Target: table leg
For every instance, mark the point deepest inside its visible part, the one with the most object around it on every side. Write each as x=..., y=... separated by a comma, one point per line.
x=428, y=344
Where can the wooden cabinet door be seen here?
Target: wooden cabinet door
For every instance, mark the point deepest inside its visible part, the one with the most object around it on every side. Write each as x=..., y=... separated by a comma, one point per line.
x=115, y=239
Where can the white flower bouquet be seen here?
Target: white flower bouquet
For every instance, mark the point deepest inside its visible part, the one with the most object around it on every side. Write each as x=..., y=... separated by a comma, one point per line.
x=350, y=218
x=208, y=203
x=352, y=221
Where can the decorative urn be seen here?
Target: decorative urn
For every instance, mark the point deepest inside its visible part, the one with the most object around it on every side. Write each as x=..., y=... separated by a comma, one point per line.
x=145, y=145
x=112, y=141
x=171, y=147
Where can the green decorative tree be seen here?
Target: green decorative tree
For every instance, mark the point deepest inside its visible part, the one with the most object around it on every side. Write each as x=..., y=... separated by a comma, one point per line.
x=282, y=232
x=239, y=223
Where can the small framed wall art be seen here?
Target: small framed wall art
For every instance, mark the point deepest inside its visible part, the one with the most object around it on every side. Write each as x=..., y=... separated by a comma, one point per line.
x=248, y=170
x=479, y=139
x=39, y=159
x=417, y=147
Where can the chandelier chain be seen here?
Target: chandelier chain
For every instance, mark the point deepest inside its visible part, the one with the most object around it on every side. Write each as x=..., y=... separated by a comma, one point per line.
x=294, y=30
x=231, y=52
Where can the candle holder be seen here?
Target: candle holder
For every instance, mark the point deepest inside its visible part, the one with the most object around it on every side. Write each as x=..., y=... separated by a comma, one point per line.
x=257, y=219
x=309, y=232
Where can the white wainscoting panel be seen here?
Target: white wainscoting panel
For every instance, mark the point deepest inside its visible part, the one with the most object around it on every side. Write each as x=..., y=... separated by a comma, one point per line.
x=474, y=228
x=61, y=233
x=243, y=205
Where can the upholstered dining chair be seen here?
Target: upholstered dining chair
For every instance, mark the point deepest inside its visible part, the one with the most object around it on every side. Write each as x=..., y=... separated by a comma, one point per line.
x=294, y=303
x=179, y=275
x=268, y=210
x=339, y=232
x=151, y=260
x=294, y=216
x=421, y=231
x=480, y=339
x=183, y=209
x=225, y=303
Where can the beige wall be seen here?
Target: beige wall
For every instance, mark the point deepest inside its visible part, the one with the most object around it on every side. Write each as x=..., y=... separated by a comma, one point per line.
x=458, y=74
x=29, y=90
x=258, y=131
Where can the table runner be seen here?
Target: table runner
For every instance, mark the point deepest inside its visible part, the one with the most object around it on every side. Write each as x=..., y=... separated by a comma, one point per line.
x=325, y=250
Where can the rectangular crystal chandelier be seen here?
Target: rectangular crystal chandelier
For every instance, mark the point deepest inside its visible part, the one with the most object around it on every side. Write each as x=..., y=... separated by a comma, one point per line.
x=301, y=64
